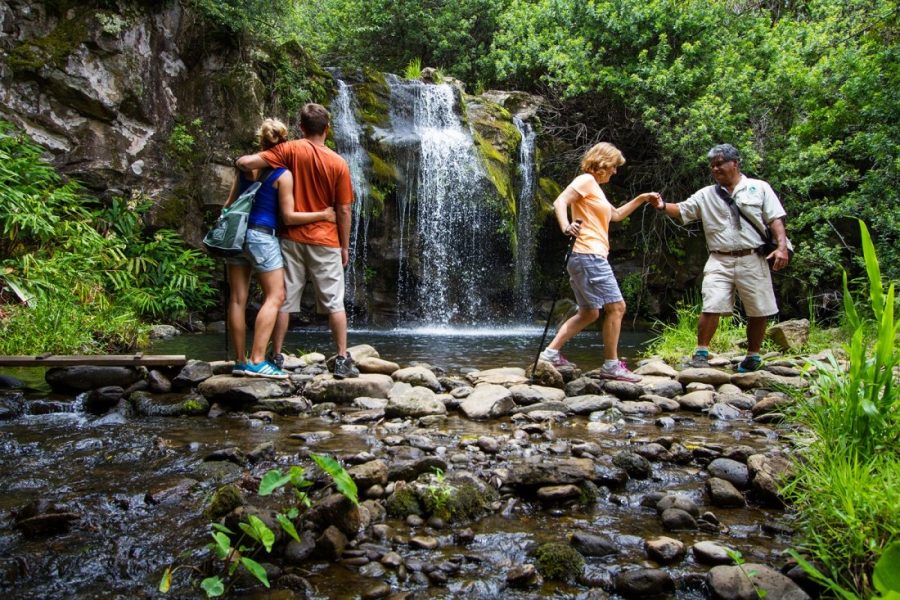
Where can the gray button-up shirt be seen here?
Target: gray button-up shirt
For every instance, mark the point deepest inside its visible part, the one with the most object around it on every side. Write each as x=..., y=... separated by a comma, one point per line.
x=725, y=231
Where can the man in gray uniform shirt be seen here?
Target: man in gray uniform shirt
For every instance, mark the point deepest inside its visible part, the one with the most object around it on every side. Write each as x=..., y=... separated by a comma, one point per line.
x=734, y=263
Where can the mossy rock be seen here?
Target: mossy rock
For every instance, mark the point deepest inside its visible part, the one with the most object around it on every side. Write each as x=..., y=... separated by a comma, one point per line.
x=53, y=49
x=548, y=190
x=382, y=170
x=224, y=500
x=559, y=562
x=373, y=99
x=402, y=503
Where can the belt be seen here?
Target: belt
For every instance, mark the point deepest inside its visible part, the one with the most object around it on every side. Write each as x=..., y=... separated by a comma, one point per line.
x=746, y=252
x=263, y=228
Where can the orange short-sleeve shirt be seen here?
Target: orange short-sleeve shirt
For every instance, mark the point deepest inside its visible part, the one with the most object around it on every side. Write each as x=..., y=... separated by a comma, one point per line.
x=321, y=179
x=595, y=212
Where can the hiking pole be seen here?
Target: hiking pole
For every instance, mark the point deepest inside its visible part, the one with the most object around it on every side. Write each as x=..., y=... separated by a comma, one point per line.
x=553, y=305
x=227, y=299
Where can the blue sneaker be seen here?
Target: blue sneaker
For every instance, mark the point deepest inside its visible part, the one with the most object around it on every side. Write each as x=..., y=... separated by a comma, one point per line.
x=750, y=364
x=265, y=369
x=238, y=370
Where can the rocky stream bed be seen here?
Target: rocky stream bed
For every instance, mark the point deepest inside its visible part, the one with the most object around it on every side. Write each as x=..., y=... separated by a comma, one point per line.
x=483, y=484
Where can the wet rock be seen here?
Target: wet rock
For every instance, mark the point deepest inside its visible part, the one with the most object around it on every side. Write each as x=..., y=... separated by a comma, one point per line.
x=523, y=577
x=745, y=582
x=539, y=471
x=611, y=477
x=582, y=405
x=12, y=405
x=403, y=502
x=324, y=388
x=233, y=455
x=375, y=365
x=667, y=388
x=111, y=419
x=296, y=553
x=664, y=404
x=723, y=493
x=588, y=544
x=291, y=406
x=723, y=412
x=675, y=519
x=424, y=542
x=559, y=562
x=774, y=403
x=158, y=382
x=634, y=464
x=338, y=511
x=768, y=473
x=558, y=493
x=697, y=401
x=584, y=386
x=653, y=451
x=624, y=390
x=524, y=395
x=84, y=378
x=262, y=451
x=789, y=335
x=374, y=591
x=45, y=518
x=418, y=376
x=193, y=373
x=730, y=470
x=412, y=402
x=330, y=545
x=546, y=375
x=665, y=422
x=488, y=445
x=102, y=399
x=368, y=474
x=644, y=583
x=230, y=390
x=737, y=400
x=707, y=375
x=506, y=376
x=656, y=367
x=631, y=407
x=163, y=332
x=311, y=438
x=8, y=382
x=696, y=386
x=408, y=470
x=664, y=550
x=711, y=553
x=770, y=381
x=225, y=499
x=487, y=401
x=168, y=405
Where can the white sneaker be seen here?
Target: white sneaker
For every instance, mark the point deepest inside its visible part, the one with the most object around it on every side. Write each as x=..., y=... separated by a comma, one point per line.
x=619, y=372
x=556, y=358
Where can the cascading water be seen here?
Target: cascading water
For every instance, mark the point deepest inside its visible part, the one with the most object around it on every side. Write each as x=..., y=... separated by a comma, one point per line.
x=525, y=215
x=454, y=259
x=347, y=138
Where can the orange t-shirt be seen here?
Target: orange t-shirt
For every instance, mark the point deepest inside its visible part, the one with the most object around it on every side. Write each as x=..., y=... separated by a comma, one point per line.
x=595, y=211
x=321, y=179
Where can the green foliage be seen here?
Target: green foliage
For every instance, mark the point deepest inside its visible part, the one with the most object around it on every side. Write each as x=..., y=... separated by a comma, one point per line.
x=848, y=485
x=180, y=146
x=342, y=480
x=559, y=562
x=88, y=272
x=414, y=69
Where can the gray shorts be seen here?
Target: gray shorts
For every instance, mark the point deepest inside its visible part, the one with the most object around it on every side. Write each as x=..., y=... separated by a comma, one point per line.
x=593, y=281
x=261, y=251
x=322, y=265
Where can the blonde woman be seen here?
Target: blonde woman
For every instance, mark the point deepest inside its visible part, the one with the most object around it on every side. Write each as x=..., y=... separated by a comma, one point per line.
x=590, y=275
x=262, y=254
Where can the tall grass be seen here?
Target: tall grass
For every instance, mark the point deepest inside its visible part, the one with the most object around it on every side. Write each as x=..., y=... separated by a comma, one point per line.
x=848, y=487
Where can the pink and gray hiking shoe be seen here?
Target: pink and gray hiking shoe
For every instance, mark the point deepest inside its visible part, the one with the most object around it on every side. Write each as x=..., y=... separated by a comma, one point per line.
x=619, y=372
x=556, y=358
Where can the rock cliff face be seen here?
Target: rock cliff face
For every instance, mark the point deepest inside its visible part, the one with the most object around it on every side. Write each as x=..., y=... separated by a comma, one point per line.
x=141, y=98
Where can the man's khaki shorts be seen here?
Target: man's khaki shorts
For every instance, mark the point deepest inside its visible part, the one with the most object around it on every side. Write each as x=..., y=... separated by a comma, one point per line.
x=748, y=275
x=320, y=264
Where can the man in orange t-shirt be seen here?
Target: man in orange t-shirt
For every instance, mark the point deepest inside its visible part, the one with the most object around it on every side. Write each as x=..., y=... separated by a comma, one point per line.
x=317, y=250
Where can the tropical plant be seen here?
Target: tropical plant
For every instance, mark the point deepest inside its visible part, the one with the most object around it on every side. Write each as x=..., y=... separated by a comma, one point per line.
x=238, y=550
x=847, y=489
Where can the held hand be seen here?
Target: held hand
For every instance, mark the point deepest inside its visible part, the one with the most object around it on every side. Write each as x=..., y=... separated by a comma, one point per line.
x=573, y=229
x=654, y=199
x=328, y=214
x=780, y=259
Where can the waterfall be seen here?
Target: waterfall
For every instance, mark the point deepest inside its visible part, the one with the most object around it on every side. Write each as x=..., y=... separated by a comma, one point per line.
x=347, y=138
x=525, y=216
x=453, y=222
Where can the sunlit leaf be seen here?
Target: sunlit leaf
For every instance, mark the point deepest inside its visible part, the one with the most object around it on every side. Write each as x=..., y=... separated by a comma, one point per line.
x=166, y=582
x=213, y=586
x=342, y=480
x=271, y=481
x=256, y=569
x=287, y=525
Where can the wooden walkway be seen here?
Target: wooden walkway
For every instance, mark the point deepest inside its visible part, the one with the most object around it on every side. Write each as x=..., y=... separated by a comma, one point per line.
x=97, y=360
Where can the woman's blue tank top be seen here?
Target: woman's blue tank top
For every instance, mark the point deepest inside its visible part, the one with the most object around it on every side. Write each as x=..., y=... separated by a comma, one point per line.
x=265, y=204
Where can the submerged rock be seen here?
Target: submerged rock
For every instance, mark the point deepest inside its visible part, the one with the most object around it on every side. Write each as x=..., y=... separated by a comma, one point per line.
x=644, y=583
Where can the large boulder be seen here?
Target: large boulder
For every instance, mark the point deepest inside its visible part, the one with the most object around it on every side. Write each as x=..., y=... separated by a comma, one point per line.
x=487, y=401
x=418, y=376
x=533, y=394
x=708, y=375
x=168, y=405
x=697, y=401
x=542, y=471
x=769, y=473
x=507, y=376
x=766, y=380
x=194, y=372
x=243, y=390
x=413, y=402
x=745, y=582
x=325, y=388
x=790, y=335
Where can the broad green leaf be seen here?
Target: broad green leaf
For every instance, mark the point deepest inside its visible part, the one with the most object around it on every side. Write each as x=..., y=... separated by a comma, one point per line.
x=342, y=480
x=271, y=481
x=166, y=582
x=876, y=292
x=257, y=530
x=222, y=528
x=256, y=569
x=886, y=575
x=287, y=525
x=222, y=545
x=297, y=474
x=292, y=513
x=213, y=586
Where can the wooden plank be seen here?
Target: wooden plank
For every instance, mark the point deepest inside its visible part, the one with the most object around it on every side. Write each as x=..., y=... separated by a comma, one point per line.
x=99, y=360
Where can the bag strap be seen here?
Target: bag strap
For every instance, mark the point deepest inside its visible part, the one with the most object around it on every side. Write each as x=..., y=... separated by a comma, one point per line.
x=729, y=200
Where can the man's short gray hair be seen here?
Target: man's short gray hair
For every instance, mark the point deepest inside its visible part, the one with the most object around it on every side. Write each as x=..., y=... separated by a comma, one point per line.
x=726, y=151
